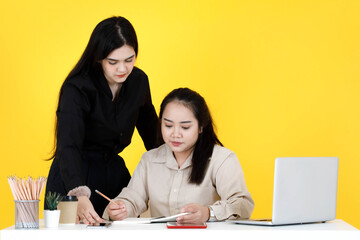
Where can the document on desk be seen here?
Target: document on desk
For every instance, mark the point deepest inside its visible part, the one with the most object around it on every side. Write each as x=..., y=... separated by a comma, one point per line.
x=150, y=220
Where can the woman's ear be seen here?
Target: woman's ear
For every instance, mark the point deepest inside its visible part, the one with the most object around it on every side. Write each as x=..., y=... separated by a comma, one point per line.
x=200, y=130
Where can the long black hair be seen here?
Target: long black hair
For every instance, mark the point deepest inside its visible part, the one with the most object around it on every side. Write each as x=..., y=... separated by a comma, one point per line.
x=207, y=138
x=108, y=35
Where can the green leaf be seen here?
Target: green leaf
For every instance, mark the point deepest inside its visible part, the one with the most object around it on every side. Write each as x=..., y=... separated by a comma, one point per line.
x=52, y=200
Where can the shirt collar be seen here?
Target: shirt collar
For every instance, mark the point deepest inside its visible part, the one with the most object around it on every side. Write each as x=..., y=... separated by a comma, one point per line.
x=104, y=86
x=167, y=157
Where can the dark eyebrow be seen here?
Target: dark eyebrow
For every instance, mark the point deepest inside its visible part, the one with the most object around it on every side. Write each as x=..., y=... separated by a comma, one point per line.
x=180, y=122
x=185, y=122
x=167, y=120
x=112, y=59
x=130, y=57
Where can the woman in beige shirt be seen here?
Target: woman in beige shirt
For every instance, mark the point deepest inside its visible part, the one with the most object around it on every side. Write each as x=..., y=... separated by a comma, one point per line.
x=191, y=172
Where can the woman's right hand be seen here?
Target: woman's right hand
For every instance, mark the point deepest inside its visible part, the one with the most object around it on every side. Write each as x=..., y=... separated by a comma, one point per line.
x=117, y=211
x=86, y=211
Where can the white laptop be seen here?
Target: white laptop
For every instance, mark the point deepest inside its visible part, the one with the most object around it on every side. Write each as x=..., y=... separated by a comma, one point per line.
x=305, y=190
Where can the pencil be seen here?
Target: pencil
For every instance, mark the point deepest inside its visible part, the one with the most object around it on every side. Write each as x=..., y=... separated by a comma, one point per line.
x=104, y=196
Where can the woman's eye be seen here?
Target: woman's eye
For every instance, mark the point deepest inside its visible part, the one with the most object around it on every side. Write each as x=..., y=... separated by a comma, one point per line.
x=129, y=60
x=185, y=128
x=112, y=63
x=168, y=126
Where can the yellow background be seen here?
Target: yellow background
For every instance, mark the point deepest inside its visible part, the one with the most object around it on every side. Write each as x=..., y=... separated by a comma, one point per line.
x=282, y=78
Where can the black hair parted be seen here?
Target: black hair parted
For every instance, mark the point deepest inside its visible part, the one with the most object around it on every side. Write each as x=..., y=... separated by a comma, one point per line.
x=108, y=35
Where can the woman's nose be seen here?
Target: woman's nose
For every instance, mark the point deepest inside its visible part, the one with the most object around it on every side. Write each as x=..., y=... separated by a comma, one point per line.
x=176, y=132
x=121, y=67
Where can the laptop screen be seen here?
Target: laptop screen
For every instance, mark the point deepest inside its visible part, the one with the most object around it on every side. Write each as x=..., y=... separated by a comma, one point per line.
x=305, y=189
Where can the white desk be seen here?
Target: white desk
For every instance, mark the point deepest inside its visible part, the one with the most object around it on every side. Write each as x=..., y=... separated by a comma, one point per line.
x=336, y=229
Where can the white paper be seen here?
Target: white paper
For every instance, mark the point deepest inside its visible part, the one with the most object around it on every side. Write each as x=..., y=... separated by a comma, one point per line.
x=133, y=221
x=149, y=220
x=167, y=219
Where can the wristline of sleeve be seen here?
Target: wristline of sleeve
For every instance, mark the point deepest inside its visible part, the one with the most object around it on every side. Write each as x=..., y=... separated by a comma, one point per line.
x=218, y=212
x=80, y=191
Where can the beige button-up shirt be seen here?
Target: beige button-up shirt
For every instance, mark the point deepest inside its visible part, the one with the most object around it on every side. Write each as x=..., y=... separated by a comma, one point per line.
x=159, y=182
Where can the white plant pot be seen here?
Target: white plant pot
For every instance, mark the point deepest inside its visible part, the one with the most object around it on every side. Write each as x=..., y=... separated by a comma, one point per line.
x=51, y=218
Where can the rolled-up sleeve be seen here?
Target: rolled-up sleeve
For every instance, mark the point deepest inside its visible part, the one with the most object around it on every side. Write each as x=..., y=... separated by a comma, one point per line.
x=236, y=201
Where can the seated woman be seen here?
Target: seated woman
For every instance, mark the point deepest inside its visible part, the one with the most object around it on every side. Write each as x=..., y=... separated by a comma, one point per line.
x=190, y=173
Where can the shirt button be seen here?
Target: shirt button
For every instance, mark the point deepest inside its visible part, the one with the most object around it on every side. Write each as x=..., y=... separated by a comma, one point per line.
x=175, y=190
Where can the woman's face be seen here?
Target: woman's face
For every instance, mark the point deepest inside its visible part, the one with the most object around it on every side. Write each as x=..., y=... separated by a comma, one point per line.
x=118, y=65
x=179, y=128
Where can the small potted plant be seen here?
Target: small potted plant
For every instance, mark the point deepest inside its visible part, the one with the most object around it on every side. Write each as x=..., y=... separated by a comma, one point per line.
x=52, y=215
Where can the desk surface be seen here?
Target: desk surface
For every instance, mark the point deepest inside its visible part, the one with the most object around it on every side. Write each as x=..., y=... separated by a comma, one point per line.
x=336, y=229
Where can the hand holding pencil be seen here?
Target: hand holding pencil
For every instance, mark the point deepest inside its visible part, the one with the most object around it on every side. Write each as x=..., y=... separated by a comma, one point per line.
x=116, y=209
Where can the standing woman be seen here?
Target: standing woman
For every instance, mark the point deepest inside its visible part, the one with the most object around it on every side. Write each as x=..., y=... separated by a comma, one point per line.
x=100, y=102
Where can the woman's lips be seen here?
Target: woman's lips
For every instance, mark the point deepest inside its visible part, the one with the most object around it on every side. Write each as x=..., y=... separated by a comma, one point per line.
x=176, y=144
x=121, y=76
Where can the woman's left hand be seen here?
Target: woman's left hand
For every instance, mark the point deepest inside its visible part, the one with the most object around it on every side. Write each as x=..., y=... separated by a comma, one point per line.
x=198, y=214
